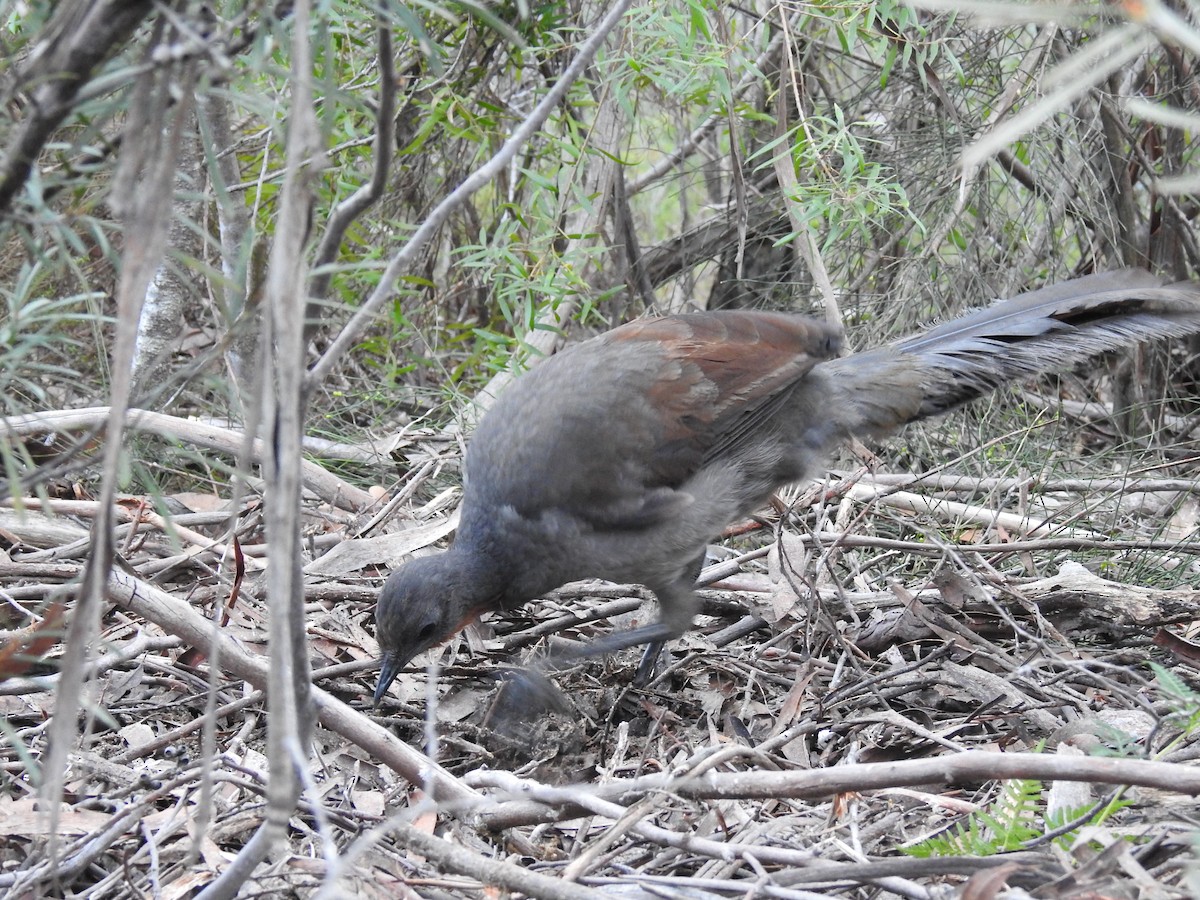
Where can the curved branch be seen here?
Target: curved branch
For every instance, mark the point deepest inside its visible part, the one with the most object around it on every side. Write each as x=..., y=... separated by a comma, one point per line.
x=361, y=200
x=77, y=41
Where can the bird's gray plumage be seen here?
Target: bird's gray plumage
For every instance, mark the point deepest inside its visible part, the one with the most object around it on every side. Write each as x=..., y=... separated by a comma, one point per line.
x=623, y=456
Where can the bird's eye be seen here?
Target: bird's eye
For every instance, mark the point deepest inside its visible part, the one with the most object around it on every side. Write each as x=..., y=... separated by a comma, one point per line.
x=428, y=632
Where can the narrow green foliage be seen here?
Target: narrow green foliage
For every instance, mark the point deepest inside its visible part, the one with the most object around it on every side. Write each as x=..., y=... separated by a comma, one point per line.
x=1184, y=704
x=1013, y=819
x=37, y=334
x=844, y=190
x=1096, y=815
x=1010, y=822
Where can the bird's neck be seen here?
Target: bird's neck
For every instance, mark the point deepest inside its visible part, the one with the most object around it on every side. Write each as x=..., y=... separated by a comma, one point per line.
x=477, y=573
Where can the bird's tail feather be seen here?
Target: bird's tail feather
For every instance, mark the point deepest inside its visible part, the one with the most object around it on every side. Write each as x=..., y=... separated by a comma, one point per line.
x=1042, y=331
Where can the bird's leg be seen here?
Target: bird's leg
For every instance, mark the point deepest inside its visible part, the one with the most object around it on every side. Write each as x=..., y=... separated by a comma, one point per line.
x=678, y=604
x=528, y=693
x=655, y=635
x=654, y=649
x=648, y=664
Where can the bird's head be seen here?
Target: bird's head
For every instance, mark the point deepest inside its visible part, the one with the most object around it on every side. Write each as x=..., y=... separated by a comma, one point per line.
x=421, y=605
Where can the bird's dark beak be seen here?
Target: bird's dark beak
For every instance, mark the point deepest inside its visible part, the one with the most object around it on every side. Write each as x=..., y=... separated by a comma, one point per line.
x=392, y=664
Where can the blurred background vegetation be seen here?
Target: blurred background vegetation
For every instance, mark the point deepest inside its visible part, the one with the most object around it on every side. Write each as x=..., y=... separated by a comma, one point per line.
x=714, y=155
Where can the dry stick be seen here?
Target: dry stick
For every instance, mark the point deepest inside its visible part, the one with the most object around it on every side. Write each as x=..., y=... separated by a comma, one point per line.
x=414, y=482
x=987, y=485
x=166, y=738
x=456, y=858
x=40, y=874
x=862, y=473
x=91, y=508
x=970, y=767
x=281, y=407
x=141, y=196
x=584, y=798
x=884, y=871
x=1090, y=411
x=323, y=483
x=628, y=820
x=607, y=610
x=1052, y=543
x=178, y=618
x=1012, y=522
x=955, y=511
x=37, y=530
x=689, y=843
x=130, y=650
